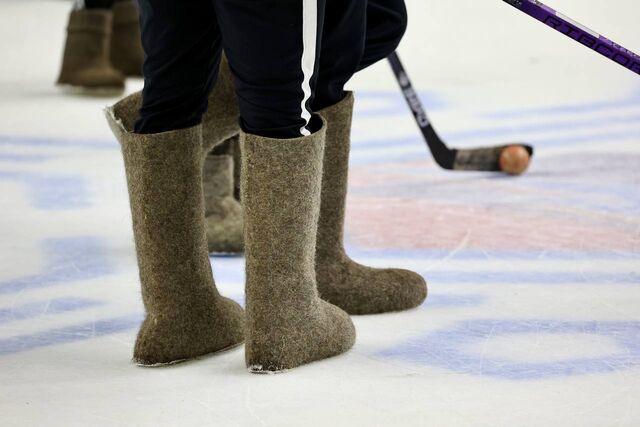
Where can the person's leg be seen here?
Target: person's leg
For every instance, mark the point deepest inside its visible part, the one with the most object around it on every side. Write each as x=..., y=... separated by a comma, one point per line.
x=182, y=45
x=383, y=27
x=386, y=25
x=186, y=317
x=353, y=287
x=272, y=46
x=343, y=44
x=272, y=50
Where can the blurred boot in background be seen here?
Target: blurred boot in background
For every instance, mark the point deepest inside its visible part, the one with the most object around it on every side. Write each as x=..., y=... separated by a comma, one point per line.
x=85, y=64
x=103, y=46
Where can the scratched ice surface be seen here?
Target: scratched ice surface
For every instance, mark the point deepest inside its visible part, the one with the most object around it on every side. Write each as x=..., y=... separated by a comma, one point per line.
x=533, y=317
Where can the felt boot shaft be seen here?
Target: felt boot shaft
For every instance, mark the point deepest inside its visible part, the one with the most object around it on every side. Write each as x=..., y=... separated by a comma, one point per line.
x=186, y=316
x=163, y=176
x=287, y=323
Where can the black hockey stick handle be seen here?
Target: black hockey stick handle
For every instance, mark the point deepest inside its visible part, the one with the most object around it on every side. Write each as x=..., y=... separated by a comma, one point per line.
x=443, y=156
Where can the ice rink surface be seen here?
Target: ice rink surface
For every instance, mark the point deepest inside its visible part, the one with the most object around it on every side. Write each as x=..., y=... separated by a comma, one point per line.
x=533, y=317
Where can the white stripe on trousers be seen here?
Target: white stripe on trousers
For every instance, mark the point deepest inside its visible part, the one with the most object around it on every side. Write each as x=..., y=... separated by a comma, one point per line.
x=309, y=39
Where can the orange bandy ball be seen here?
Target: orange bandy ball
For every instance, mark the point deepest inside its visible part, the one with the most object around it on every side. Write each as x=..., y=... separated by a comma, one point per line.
x=514, y=160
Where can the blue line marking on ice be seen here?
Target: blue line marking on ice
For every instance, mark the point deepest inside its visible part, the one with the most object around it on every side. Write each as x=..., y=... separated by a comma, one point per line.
x=439, y=300
x=69, y=260
x=69, y=334
x=46, y=307
x=236, y=275
x=392, y=103
x=587, y=107
x=531, y=277
x=446, y=349
x=53, y=192
x=57, y=142
x=26, y=158
x=515, y=131
x=492, y=254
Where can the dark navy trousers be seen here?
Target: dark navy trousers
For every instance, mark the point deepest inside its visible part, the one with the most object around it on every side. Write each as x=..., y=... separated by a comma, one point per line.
x=289, y=58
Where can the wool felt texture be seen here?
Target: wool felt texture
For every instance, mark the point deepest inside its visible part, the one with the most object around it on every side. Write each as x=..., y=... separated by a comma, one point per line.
x=288, y=325
x=219, y=123
x=355, y=288
x=186, y=317
x=85, y=62
x=225, y=226
x=127, y=55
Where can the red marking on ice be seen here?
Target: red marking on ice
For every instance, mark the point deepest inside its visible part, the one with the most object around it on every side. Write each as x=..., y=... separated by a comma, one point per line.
x=406, y=223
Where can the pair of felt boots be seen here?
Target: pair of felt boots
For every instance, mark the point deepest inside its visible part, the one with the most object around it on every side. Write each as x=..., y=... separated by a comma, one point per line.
x=300, y=284
x=102, y=48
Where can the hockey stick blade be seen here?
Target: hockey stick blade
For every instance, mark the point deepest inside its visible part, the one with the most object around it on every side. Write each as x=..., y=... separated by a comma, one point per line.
x=485, y=159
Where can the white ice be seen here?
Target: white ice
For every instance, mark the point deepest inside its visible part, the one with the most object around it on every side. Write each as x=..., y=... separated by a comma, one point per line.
x=533, y=317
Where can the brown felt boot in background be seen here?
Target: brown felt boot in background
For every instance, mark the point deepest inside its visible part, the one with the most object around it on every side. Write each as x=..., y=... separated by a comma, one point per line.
x=127, y=55
x=186, y=317
x=225, y=233
x=287, y=323
x=355, y=288
x=85, y=63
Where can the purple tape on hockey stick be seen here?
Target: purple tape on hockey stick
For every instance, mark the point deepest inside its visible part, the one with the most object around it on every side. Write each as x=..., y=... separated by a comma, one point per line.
x=579, y=33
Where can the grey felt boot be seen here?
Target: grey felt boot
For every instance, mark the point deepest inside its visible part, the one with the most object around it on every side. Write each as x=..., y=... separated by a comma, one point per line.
x=223, y=212
x=288, y=324
x=186, y=317
x=85, y=63
x=355, y=288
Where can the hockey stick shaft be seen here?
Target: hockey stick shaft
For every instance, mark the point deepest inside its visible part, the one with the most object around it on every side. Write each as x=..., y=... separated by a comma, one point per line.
x=579, y=33
x=443, y=156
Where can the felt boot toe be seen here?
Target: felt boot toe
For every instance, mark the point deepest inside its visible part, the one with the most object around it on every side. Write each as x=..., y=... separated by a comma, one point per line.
x=329, y=332
x=168, y=339
x=359, y=289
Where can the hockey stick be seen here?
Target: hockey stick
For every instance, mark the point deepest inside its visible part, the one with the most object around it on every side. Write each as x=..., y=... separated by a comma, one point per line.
x=473, y=159
x=579, y=33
